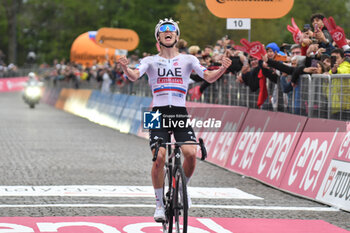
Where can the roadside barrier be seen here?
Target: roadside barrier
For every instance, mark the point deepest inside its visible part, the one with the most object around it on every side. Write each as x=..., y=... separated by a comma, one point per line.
x=51, y=95
x=12, y=84
x=304, y=156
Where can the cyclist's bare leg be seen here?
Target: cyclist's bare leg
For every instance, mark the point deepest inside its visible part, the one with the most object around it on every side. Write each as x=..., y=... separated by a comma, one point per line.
x=157, y=180
x=158, y=169
x=189, y=164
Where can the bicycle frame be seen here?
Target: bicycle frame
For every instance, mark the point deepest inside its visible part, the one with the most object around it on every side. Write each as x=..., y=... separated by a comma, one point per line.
x=176, y=154
x=176, y=181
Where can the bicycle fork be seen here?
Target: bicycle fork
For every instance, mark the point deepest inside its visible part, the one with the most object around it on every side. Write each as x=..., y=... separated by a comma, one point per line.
x=177, y=165
x=170, y=191
x=172, y=167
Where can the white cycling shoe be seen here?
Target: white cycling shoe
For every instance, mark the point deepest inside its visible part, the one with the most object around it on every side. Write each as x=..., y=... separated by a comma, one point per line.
x=159, y=214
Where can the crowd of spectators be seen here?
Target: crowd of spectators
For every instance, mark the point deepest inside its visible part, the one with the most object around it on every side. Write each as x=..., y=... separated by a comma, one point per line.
x=102, y=75
x=9, y=70
x=314, y=52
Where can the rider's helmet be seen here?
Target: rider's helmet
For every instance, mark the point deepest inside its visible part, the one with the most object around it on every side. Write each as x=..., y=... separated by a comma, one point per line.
x=31, y=75
x=164, y=22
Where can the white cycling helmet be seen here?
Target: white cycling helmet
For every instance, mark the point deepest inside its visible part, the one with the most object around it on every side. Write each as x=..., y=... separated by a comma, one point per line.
x=166, y=21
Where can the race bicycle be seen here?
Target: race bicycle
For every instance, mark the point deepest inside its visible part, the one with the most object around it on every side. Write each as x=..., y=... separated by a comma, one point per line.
x=175, y=188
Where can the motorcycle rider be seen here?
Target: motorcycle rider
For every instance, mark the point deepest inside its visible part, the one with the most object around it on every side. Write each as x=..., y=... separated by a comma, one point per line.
x=32, y=78
x=32, y=90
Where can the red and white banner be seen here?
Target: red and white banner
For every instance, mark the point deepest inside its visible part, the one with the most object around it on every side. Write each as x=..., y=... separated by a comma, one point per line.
x=277, y=147
x=12, y=84
x=343, y=153
x=219, y=141
x=265, y=145
x=232, y=120
x=318, y=144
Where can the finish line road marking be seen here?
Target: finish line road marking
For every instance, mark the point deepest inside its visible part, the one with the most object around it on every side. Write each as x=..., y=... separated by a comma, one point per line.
x=237, y=207
x=120, y=191
x=115, y=224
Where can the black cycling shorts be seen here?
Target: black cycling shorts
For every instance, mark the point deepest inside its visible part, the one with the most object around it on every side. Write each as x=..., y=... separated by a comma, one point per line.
x=175, y=115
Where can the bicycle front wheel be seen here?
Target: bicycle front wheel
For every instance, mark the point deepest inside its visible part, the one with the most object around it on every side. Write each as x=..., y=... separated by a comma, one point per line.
x=167, y=197
x=180, y=204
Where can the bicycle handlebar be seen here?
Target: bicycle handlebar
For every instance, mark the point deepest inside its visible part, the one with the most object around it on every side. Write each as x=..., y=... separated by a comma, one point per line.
x=160, y=143
x=203, y=149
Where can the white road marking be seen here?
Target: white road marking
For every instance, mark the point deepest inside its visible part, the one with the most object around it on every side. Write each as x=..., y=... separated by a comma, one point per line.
x=119, y=191
x=284, y=208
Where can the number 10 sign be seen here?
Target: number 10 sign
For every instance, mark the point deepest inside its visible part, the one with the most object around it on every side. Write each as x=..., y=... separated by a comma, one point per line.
x=237, y=24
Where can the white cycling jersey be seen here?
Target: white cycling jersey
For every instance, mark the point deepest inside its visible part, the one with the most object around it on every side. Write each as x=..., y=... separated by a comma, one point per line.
x=169, y=78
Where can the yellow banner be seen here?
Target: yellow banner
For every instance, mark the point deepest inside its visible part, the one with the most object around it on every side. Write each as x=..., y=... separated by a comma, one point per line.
x=117, y=38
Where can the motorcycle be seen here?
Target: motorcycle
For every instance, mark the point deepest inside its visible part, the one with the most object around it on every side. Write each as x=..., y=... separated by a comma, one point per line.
x=32, y=93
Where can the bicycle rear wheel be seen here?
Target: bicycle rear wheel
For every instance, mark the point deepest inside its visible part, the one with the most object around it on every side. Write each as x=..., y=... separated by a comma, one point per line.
x=167, y=197
x=180, y=204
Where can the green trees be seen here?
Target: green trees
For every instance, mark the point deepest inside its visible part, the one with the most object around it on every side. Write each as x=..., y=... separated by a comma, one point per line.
x=48, y=27
x=142, y=16
x=10, y=12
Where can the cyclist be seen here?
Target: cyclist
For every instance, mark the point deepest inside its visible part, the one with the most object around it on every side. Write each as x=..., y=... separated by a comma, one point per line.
x=169, y=75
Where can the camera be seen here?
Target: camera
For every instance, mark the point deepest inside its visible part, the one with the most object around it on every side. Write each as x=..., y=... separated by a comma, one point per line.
x=333, y=61
x=314, y=40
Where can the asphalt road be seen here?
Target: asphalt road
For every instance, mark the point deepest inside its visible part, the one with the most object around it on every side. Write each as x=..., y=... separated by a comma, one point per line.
x=49, y=147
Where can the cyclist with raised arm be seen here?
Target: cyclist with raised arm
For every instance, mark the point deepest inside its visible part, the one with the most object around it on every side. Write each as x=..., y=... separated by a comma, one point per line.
x=169, y=75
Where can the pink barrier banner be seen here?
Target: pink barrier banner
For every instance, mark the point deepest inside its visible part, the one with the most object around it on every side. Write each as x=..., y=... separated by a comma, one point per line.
x=131, y=224
x=276, y=147
x=219, y=141
x=201, y=111
x=343, y=153
x=317, y=146
x=265, y=145
x=12, y=84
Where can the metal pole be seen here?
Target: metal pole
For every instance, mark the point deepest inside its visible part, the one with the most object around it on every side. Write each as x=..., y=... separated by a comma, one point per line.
x=329, y=96
x=341, y=98
x=229, y=80
x=220, y=90
x=247, y=104
x=310, y=97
